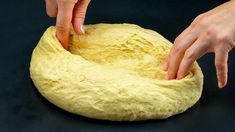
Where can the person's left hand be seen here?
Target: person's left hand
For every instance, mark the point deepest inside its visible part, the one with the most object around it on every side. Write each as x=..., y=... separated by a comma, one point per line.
x=67, y=12
x=213, y=31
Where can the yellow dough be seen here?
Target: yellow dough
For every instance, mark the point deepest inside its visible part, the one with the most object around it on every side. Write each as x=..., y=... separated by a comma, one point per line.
x=113, y=72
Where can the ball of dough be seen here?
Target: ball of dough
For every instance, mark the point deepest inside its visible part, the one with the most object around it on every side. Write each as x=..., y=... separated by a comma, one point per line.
x=113, y=72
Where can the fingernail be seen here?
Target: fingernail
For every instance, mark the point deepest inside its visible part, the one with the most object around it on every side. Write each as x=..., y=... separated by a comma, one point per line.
x=82, y=29
x=220, y=85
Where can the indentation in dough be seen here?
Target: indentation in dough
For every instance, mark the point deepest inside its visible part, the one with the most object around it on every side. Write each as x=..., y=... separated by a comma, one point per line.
x=113, y=72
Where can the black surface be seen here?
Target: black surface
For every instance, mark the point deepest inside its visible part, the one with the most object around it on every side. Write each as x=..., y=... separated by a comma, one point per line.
x=23, y=109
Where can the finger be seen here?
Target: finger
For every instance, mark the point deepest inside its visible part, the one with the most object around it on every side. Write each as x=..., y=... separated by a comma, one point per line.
x=165, y=65
x=184, y=33
x=221, y=65
x=200, y=47
x=51, y=8
x=179, y=38
x=63, y=21
x=177, y=53
x=79, y=15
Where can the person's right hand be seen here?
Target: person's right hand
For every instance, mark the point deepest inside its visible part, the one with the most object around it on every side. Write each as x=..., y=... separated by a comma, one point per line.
x=212, y=31
x=67, y=12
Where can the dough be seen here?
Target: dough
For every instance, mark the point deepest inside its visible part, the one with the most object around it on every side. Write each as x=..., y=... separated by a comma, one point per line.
x=113, y=72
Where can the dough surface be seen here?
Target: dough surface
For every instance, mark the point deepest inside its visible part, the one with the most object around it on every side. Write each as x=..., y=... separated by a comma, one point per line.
x=113, y=72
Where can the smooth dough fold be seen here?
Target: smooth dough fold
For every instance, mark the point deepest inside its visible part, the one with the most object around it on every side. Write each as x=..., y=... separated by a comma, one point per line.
x=113, y=72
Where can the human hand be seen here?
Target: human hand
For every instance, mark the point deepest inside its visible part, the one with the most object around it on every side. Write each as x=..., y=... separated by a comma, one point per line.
x=67, y=12
x=213, y=31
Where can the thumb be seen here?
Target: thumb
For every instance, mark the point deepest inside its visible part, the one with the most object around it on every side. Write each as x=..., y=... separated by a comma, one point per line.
x=79, y=15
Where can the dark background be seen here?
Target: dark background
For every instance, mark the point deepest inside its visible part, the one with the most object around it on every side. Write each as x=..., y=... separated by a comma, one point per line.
x=23, y=109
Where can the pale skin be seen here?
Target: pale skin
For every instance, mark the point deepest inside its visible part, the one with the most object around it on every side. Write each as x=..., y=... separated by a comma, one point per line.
x=212, y=31
x=67, y=12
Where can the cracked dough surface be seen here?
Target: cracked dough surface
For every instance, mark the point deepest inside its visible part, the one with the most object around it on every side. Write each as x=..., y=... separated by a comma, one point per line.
x=113, y=72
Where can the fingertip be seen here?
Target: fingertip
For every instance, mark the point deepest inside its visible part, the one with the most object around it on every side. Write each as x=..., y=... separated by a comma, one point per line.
x=63, y=39
x=79, y=29
x=221, y=68
x=82, y=29
x=220, y=85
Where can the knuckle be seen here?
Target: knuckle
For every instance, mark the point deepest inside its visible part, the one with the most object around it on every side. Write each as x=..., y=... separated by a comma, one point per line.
x=178, y=49
x=189, y=55
x=62, y=29
x=203, y=22
x=222, y=37
x=177, y=39
x=51, y=14
x=198, y=19
x=81, y=15
x=219, y=66
x=210, y=32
